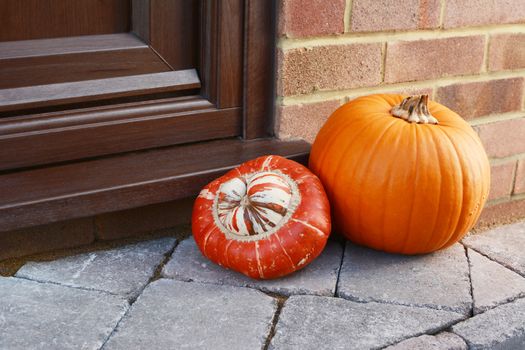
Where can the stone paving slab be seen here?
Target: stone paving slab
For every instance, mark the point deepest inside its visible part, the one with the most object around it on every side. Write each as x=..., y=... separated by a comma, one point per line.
x=441, y=341
x=188, y=315
x=313, y=322
x=500, y=328
x=37, y=315
x=124, y=270
x=439, y=280
x=504, y=244
x=319, y=278
x=492, y=284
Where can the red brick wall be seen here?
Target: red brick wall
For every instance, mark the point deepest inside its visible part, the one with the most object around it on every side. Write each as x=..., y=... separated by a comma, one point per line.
x=466, y=54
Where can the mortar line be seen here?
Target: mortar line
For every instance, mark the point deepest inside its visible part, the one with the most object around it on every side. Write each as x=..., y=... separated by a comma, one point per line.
x=513, y=198
x=421, y=34
x=485, y=64
x=514, y=176
x=494, y=118
x=347, y=16
x=384, y=47
x=442, y=5
x=319, y=96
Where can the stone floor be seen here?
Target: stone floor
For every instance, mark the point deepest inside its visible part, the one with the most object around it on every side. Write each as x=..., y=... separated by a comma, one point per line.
x=162, y=294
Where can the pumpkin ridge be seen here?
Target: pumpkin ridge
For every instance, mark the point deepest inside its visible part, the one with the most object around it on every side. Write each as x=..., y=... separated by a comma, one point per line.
x=348, y=145
x=372, y=149
x=413, y=194
x=436, y=157
x=461, y=166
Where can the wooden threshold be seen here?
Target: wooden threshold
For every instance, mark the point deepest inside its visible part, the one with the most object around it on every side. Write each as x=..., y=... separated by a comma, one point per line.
x=98, y=89
x=61, y=192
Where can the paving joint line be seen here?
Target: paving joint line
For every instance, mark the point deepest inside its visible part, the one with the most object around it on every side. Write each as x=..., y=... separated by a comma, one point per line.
x=275, y=319
x=471, y=289
x=336, y=289
x=69, y=286
x=428, y=307
x=496, y=261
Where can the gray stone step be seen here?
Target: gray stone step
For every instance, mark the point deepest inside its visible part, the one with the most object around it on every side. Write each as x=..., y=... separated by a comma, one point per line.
x=124, y=270
x=501, y=328
x=439, y=280
x=174, y=315
x=319, y=277
x=441, y=341
x=312, y=322
x=504, y=244
x=45, y=316
x=492, y=284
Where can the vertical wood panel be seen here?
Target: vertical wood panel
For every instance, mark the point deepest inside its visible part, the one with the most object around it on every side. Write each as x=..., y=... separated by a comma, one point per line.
x=37, y=19
x=174, y=31
x=140, y=19
x=231, y=28
x=259, y=73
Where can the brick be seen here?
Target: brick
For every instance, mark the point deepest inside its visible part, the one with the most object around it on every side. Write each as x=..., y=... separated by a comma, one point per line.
x=438, y=281
x=181, y=315
x=139, y=221
x=435, y=58
x=304, y=121
x=501, y=328
x=319, y=277
x=501, y=213
x=46, y=316
x=38, y=239
x=310, y=322
x=461, y=13
x=502, y=177
x=503, y=244
x=519, y=184
x=507, y=51
x=504, y=138
x=124, y=270
x=478, y=99
x=441, y=341
x=373, y=15
x=492, y=284
x=333, y=67
x=302, y=18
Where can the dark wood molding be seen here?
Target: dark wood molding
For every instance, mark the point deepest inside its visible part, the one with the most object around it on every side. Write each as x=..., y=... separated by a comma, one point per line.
x=126, y=181
x=99, y=89
x=115, y=129
x=259, y=72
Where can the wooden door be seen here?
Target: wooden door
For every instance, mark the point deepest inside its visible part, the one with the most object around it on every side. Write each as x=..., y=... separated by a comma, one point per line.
x=112, y=104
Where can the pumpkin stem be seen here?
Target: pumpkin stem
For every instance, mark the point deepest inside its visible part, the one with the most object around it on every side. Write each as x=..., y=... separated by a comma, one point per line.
x=414, y=109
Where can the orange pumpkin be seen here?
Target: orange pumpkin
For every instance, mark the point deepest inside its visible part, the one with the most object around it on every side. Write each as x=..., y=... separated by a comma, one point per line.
x=401, y=176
